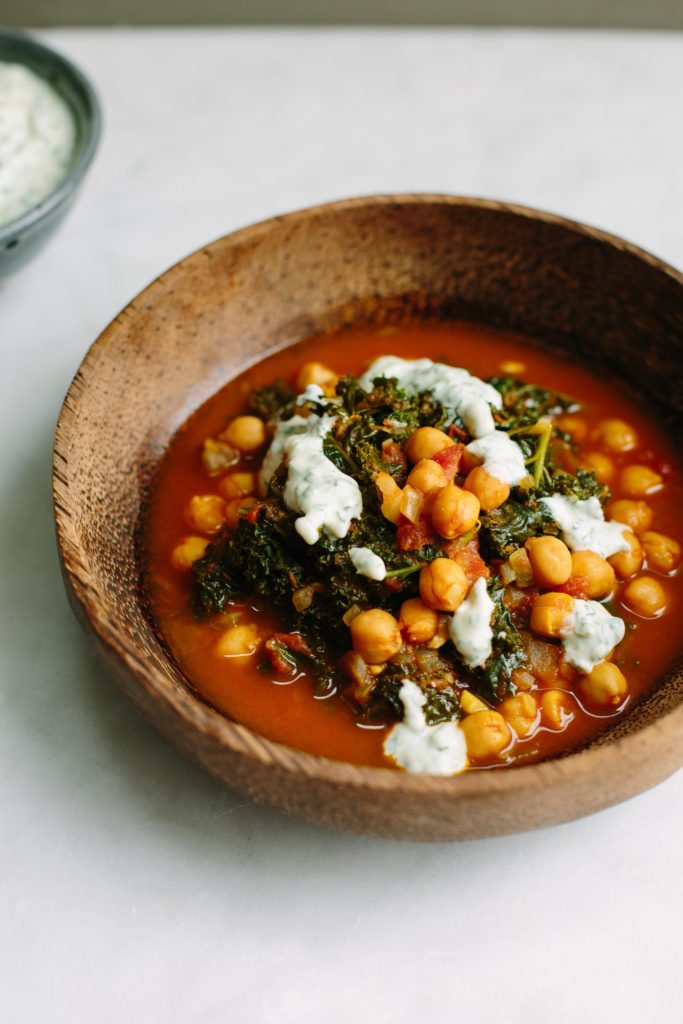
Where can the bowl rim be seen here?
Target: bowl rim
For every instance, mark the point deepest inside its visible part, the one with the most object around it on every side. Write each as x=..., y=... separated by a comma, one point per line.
x=630, y=751
x=92, y=131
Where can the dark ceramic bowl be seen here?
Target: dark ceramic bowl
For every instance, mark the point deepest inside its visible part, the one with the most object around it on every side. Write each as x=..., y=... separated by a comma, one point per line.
x=23, y=237
x=222, y=309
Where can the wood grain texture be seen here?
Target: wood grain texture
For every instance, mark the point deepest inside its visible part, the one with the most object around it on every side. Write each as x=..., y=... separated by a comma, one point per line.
x=378, y=259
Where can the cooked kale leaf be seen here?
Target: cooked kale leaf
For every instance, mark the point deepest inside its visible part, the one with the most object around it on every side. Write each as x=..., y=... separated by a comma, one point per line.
x=271, y=401
x=268, y=565
x=214, y=584
x=337, y=456
x=509, y=526
x=386, y=400
x=524, y=404
x=495, y=678
x=432, y=671
x=253, y=560
x=441, y=704
x=584, y=485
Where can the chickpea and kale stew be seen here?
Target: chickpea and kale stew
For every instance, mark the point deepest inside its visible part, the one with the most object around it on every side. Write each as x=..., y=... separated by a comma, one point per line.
x=393, y=561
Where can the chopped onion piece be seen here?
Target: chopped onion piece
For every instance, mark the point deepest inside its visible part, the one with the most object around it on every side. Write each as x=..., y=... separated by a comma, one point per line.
x=412, y=502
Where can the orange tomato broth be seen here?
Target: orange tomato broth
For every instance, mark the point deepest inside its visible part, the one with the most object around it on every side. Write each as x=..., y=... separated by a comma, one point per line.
x=288, y=712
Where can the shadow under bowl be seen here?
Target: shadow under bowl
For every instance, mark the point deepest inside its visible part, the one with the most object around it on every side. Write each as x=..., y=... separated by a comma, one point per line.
x=380, y=259
x=24, y=237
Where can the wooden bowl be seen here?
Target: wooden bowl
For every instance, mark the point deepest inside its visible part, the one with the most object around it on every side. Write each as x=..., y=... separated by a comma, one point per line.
x=227, y=306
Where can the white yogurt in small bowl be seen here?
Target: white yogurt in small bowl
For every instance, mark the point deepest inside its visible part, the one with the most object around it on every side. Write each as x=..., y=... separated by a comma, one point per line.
x=37, y=140
x=49, y=130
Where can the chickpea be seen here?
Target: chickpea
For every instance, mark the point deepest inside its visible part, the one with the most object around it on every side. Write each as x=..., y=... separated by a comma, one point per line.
x=206, y=513
x=637, y=481
x=576, y=427
x=512, y=367
x=645, y=596
x=235, y=509
x=376, y=636
x=550, y=559
x=391, y=506
x=600, y=464
x=238, y=642
x=455, y=512
x=427, y=476
x=568, y=672
x=188, y=551
x=599, y=573
x=470, y=703
x=637, y=515
x=418, y=622
x=550, y=613
x=521, y=712
x=443, y=585
x=486, y=734
x=615, y=435
x=316, y=373
x=556, y=709
x=246, y=433
x=442, y=636
x=389, y=495
x=238, y=485
x=469, y=461
x=604, y=685
x=490, y=492
x=663, y=553
x=230, y=617
x=425, y=442
x=628, y=563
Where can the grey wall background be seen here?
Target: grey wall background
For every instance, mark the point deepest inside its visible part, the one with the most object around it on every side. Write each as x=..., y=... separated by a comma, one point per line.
x=656, y=14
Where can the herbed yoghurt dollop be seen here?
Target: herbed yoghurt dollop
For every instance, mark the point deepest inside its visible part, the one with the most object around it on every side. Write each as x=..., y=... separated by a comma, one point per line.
x=37, y=138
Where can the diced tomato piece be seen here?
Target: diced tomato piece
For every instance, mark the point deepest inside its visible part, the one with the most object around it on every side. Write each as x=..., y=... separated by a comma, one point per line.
x=454, y=431
x=394, y=454
x=252, y=513
x=544, y=660
x=519, y=603
x=449, y=459
x=470, y=561
x=412, y=536
x=294, y=641
x=577, y=585
x=516, y=599
x=291, y=641
x=277, y=659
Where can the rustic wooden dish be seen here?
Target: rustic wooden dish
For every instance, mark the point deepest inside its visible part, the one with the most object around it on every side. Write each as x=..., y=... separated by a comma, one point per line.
x=380, y=258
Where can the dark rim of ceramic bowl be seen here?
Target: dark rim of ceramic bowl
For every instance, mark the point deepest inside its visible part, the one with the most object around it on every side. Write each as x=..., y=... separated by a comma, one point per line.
x=20, y=48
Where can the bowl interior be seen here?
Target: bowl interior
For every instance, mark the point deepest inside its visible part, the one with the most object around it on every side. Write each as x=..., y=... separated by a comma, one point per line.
x=225, y=307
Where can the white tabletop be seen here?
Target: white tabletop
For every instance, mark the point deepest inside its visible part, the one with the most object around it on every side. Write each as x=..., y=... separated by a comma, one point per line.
x=134, y=887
